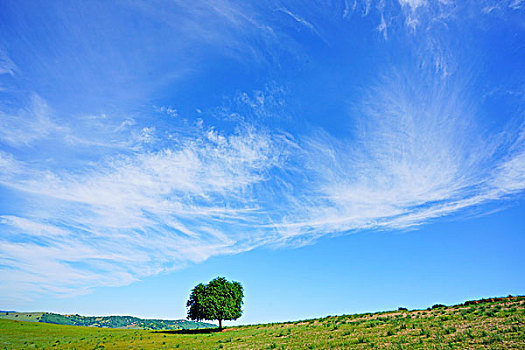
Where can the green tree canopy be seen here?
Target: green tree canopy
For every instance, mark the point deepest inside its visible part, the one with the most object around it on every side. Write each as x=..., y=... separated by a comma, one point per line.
x=218, y=300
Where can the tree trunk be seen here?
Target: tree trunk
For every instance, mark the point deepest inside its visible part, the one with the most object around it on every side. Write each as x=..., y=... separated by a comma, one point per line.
x=220, y=324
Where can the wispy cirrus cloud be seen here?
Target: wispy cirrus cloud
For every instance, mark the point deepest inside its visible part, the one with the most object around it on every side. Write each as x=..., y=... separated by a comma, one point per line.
x=303, y=22
x=136, y=195
x=195, y=197
x=419, y=154
x=36, y=124
x=7, y=66
x=28, y=124
x=413, y=4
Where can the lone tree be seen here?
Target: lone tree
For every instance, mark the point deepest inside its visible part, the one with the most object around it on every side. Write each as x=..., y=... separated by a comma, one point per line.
x=218, y=300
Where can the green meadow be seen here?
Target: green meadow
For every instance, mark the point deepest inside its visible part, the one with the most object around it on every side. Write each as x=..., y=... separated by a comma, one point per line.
x=487, y=324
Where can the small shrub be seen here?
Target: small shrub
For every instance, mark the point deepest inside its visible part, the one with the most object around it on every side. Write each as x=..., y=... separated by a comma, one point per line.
x=490, y=313
x=450, y=330
x=469, y=334
x=493, y=339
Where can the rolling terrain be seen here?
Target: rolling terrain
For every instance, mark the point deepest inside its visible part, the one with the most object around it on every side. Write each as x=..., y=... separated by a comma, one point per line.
x=129, y=322
x=497, y=323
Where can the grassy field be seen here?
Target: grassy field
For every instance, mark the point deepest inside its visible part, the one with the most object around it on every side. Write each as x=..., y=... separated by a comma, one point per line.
x=483, y=325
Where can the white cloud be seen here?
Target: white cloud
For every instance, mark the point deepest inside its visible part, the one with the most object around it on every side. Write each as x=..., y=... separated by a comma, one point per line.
x=299, y=19
x=154, y=204
x=383, y=28
x=36, y=124
x=349, y=8
x=31, y=227
x=303, y=22
x=7, y=66
x=509, y=176
x=169, y=110
x=223, y=24
x=28, y=125
x=136, y=215
x=8, y=165
x=418, y=155
x=413, y=4
x=516, y=4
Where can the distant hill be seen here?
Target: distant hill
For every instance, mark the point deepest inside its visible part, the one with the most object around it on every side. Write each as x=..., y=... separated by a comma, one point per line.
x=128, y=322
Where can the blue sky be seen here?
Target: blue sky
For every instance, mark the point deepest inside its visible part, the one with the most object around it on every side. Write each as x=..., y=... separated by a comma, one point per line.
x=334, y=157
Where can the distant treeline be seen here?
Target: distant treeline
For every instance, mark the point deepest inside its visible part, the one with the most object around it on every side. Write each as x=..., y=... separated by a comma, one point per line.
x=491, y=300
x=120, y=322
x=103, y=321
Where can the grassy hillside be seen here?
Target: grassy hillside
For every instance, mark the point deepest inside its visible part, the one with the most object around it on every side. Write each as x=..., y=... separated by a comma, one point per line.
x=21, y=316
x=498, y=324
x=102, y=321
